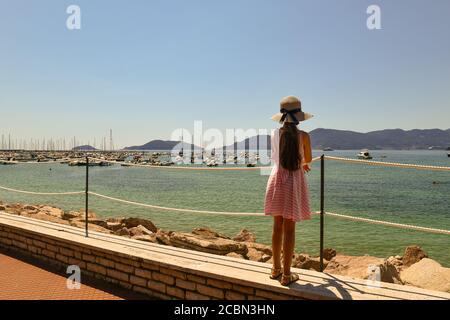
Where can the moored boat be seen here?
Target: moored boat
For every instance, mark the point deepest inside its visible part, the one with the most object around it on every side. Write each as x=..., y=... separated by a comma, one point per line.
x=364, y=154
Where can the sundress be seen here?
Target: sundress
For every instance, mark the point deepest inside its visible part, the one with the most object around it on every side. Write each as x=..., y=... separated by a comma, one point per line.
x=287, y=191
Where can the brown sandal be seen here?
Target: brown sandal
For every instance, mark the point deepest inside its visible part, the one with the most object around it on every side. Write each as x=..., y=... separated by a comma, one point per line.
x=287, y=279
x=276, y=273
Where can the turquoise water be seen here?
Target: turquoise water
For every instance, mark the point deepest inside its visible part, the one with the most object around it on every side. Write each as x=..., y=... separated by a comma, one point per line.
x=384, y=193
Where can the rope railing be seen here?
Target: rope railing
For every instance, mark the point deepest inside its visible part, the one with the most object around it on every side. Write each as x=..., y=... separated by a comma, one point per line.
x=175, y=209
x=389, y=164
x=387, y=223
x=43, y=193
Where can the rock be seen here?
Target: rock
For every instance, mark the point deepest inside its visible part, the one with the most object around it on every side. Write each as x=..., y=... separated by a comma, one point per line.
x=114, y=226
x=92, y=227
x=163, y=237
x=139, y=231
x=260, y=247
x=413, y=254
x=214, y=245
x=30, y=208
x=427, y=274
x=123, y=232
x=256, y=255
x=147, y=238
x=395, y=262
x=398, y=257
x=45, y=217
x=358, y=267
x=329, y=253
x=52, y=211
x=245, y=236
x=208, y=233
x=71, y=215
x=2, y=208
x=305, y=261
x=91, y=214
x=134, y=222
x=235, y=255
x=98, y=222
x=14, y=208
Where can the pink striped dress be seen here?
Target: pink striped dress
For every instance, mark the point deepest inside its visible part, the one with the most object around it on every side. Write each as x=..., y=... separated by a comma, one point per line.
x=287, y=191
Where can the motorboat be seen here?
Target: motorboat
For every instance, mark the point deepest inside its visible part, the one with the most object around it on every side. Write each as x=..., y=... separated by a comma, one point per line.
x=364, y=154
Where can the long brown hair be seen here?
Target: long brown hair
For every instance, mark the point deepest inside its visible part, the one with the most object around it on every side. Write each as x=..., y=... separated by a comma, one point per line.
x=290, y=156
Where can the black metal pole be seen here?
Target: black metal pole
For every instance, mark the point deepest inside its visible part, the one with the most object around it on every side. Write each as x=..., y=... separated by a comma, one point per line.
x=322, y=205
x=86, y=209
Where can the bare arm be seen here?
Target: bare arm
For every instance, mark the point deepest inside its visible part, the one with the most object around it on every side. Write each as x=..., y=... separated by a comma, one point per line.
x=307, y=153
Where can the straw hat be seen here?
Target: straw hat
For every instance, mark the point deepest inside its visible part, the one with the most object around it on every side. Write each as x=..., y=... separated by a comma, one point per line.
x=291, y=111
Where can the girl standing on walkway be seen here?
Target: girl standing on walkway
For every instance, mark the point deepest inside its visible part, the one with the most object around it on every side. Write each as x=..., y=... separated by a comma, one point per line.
x=287, y=198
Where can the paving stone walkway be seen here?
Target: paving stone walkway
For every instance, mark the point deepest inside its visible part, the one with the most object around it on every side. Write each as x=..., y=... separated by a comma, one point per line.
x=24, y=280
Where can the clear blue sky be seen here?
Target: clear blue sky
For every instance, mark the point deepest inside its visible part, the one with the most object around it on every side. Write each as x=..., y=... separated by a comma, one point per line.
x=144, y=68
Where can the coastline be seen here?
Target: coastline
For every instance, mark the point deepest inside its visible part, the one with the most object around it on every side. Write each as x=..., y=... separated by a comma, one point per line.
x=414, y=268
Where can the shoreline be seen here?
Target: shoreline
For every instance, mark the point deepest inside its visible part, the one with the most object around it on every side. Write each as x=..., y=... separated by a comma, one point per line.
x=413, y=268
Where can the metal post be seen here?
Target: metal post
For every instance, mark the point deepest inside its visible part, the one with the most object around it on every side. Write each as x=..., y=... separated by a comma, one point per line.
x=87, y=197
x=322, y=205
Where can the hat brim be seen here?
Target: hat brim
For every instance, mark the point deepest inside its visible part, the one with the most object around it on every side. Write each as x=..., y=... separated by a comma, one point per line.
x=301, y=116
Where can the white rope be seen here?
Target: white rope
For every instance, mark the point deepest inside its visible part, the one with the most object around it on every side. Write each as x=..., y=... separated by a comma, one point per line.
x=188, y=168
x=43, y=193
x=390, y=164
x=390, y=224
x=176, y=209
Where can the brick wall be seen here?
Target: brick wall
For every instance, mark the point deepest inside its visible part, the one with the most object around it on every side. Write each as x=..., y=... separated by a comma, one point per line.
x=128, y=271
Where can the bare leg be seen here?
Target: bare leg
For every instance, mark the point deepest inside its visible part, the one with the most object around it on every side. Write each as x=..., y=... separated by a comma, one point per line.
x=277, y=236
x=288, y=244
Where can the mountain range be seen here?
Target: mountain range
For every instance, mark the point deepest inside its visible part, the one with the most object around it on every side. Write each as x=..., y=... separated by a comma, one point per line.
x=396, y=139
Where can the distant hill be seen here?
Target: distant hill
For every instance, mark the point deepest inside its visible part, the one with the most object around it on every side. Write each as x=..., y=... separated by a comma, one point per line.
x=383, y=139
x=84, y=148
x=162, y=145
x=396, y=139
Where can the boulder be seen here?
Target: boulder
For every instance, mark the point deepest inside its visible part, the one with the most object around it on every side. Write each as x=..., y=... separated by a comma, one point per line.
x=45, y=217
x=260, y=247
x=427, y=274
x=413, y=254
x=358, y=267
x=208, y=233
x=114, y=226
x=245, y=236
x=395, y=262
x=256, y=255
x=71, y=215
x=134, y=222
x=98, y=222
x=14, y=208
x=139, y=231
x=235, y=255
x=30, y=208
x=329, y=253
x=147, y=238
x=92, y=227
x=305, y=261
x=91, y=214
x=163, y=237
x=219, y=246
x=51, y=211
x=2, y=208
x=122, y=232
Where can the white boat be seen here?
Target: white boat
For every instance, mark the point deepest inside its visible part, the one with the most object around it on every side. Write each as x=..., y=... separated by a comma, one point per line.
x=364, y=154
